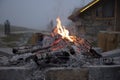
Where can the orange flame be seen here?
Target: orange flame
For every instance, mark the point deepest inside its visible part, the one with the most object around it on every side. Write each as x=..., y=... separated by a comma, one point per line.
x=61, y=30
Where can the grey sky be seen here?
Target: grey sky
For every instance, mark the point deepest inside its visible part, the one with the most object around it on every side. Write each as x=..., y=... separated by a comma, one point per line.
x=37, y=13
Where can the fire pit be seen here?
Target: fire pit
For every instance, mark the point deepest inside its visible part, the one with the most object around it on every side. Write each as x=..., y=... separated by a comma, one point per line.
x=62, y=48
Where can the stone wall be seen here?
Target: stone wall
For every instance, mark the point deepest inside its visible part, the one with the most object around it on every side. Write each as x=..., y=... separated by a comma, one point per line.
x=14, y=73
x=103, y=72
x=98, y=72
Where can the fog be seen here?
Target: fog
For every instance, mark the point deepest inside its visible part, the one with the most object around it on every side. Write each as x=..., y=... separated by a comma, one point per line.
x=37, y=14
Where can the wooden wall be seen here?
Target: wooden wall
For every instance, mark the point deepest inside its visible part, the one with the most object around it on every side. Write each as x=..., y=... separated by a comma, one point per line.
x=117, y=27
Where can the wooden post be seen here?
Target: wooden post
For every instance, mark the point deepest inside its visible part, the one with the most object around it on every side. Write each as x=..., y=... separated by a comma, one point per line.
x=108, y=40
x=112, y=41
x=117, y=10
x=102, y=39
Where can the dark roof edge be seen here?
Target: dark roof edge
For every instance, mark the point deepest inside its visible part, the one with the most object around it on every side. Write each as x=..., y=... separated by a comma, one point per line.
x=83, y=9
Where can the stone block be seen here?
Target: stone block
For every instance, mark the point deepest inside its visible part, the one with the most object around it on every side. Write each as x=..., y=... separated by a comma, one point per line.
x=67, y=74
x=104, y=72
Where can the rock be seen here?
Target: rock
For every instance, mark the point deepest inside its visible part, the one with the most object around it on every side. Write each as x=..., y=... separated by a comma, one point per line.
x=14, y=73
x=67, y=74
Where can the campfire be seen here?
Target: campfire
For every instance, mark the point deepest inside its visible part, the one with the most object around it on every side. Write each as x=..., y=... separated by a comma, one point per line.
x=63, y=39
x=61, y=33
x=61, y=47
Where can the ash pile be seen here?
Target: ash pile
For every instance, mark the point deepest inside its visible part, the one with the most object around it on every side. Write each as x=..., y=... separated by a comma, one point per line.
x=55, y=53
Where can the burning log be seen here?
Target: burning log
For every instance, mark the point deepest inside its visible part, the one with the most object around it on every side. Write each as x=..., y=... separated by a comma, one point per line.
x=94, y=54
x=30, y=50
